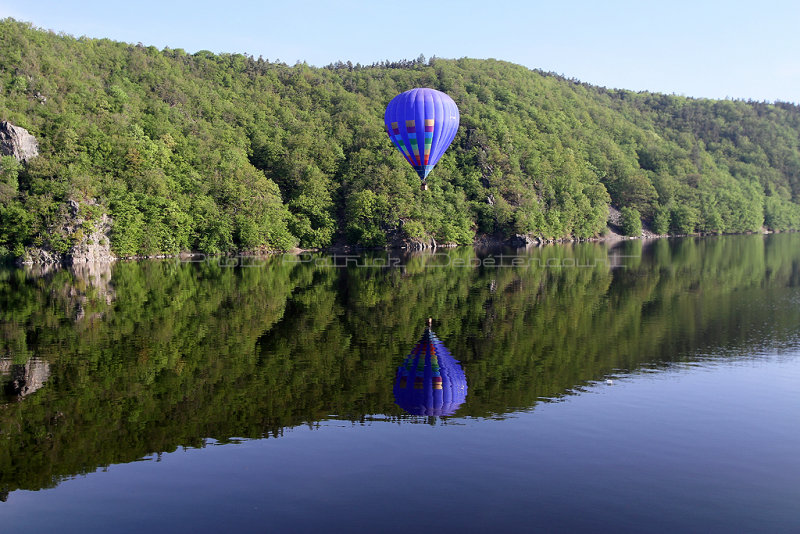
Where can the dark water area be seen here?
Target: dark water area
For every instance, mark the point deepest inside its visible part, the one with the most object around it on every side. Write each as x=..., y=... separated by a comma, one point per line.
x=591, y=387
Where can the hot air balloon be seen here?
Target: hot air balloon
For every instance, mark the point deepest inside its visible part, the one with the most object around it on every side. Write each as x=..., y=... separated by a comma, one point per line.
x=422, y=123
x=430, y=381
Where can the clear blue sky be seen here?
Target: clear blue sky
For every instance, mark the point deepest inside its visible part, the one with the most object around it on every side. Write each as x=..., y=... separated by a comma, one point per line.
x=699, y=48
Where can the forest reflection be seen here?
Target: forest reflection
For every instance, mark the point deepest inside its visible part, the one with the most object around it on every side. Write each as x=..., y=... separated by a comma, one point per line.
x=135, y=358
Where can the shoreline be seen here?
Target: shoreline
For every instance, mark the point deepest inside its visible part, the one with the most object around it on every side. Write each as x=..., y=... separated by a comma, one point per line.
x=480, y=242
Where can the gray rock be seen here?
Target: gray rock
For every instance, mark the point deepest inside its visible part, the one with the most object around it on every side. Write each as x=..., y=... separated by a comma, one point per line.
x=17, y=142
x=522, y=241
x=89, y=247
x=40, y=256
x=614, y=216
x=420, y=244
x=95, y=246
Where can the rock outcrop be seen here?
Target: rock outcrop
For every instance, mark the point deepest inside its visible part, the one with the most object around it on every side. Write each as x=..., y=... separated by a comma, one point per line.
x=415, y=244
x=522, y=241
x=17, y=142
x=40, y=256
x=614, y=217
x=398, y=239
x=95, y=246
x=91, y=242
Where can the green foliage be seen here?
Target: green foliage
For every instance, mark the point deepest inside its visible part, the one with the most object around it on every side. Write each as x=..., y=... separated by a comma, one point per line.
x=661, y=220
x=313, y=222
x=781, y=214
x=15, y=222
x=631, y=221
x=367, y=213
x=128, y=234
x=684, y=219
x=9, y=182
x=414, y=230
x=226, y=152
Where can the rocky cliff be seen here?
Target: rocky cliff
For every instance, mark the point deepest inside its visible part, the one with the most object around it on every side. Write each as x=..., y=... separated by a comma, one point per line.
x=88, y=232
x=17, y=142
x=82, y=223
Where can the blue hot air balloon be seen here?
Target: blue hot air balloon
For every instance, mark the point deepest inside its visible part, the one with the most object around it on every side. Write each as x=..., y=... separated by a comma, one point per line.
x=422, y=123
x=430, y=381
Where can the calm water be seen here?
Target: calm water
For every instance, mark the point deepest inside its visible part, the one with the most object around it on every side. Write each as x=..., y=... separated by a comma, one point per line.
x=628, y=388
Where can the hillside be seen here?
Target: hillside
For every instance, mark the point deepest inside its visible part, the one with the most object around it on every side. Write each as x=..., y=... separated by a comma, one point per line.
x=227, y=152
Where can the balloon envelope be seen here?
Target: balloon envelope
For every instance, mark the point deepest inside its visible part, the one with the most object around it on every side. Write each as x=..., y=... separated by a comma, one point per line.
x=422, y=123
x=430, y=381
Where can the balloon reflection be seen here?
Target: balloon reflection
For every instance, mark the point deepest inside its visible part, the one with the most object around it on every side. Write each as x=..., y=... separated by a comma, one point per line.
x=430, y=381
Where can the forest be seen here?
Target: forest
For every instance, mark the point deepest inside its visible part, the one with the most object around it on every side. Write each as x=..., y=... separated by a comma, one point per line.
x=222, y=153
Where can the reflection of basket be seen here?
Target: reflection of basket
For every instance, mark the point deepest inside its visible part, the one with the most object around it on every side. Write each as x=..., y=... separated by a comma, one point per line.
x=430, y=381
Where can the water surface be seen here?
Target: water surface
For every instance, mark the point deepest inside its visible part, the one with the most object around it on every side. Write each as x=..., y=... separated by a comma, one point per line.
x=607, y=388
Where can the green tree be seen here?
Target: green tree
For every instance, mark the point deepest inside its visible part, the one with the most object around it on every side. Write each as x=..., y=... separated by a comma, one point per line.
x=631, y=221
x=661, y=220
x=684, y=219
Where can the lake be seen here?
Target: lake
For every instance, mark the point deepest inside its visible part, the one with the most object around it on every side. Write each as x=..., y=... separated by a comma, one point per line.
x=597, y=387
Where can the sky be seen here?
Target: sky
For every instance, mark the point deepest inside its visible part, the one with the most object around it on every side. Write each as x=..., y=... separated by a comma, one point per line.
x=712, y=49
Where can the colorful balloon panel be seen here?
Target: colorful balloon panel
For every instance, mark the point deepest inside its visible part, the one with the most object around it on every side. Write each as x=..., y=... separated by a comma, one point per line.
x=422, y=123
x=430, y=381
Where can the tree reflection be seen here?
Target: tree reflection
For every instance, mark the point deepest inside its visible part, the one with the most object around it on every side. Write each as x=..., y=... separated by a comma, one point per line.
x=147, y=357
